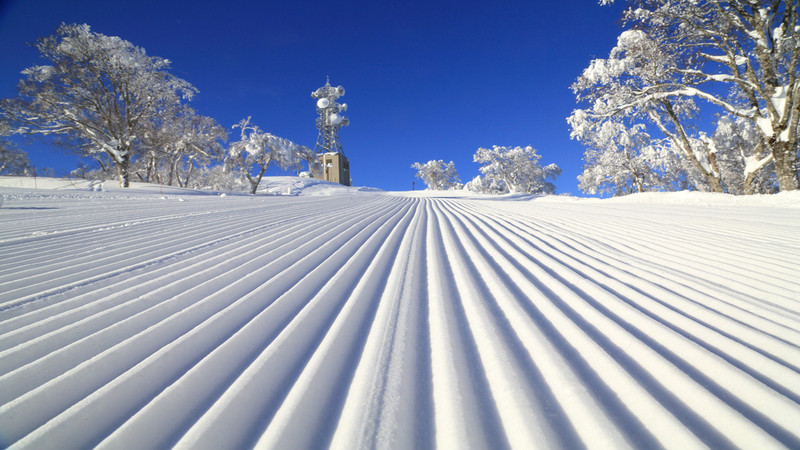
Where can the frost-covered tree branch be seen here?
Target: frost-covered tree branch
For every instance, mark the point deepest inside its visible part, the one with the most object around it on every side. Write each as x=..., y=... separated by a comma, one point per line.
x=614, y=162
x=637, y=82
x=13, y=161
x=513, y=169
x=740, y=58
x=181, y=138
x=256, y=150
x=749, y=52
x=438, y=175
x=98, y=89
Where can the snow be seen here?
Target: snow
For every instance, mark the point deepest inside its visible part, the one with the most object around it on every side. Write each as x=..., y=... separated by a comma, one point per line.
x=315, y=314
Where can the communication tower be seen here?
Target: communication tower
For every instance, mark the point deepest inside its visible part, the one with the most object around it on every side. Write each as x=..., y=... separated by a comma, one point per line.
x=336, y=168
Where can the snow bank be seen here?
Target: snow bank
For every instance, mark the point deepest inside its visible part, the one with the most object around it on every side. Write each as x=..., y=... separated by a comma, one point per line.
x=687, y=198
x=271, y=186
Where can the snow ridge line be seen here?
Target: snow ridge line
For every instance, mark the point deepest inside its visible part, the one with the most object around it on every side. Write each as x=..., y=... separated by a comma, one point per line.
x=92, y=242
x=642, y=245
x=133, y=287
x=77, y=413
x=280, y=365
x=697, y=323
x=186, y=243
x=50, y=234
x=759, y=396
x=622, y=265
x=225, y=248
x=213, y=236
x=90, y=258
x=150, y=289
x=388, y=401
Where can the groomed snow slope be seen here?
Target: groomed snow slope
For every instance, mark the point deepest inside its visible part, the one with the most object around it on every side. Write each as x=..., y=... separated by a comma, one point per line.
x=150, y=319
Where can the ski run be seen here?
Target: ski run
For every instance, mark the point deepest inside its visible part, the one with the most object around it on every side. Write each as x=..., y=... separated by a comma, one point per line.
x=352, y=318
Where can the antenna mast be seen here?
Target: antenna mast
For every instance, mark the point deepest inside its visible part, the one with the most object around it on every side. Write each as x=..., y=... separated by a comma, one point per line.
x=330, y=118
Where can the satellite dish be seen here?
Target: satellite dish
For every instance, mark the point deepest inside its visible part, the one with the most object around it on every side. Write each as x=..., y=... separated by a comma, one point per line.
x=341, y=90
x=344, y=107
x=336, y=119
x=323, y=103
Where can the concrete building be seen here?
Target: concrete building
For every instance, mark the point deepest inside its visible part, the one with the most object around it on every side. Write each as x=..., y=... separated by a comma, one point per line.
x=335, y=167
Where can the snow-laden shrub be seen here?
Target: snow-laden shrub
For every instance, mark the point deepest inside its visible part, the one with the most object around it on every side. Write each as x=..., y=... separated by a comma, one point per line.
x=517, y=168
x=482, y=185
x=438, y=175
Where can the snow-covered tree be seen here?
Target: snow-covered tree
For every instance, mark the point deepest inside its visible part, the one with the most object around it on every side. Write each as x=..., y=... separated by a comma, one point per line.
x=219, y=177
x=100, y=90
x=256, y=150
x=622, y=160
x=741, y=56
x=741, y=152
x=311, y=159
x=179, y=141
x=517, y=169
x=613, y=163
x=13, y=161
x=438, y=175
x=672, y=170
x=634, y=85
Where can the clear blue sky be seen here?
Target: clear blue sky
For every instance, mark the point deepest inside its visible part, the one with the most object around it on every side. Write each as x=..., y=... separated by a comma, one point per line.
x=424, y=79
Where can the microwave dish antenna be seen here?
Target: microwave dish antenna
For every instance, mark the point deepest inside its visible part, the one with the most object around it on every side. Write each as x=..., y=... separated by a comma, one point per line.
x=330, y=118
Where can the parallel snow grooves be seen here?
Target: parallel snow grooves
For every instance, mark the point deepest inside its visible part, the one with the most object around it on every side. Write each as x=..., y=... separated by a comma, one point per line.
x=733, y=302
x=754, y=396
x=213, y=238
x=216, y=246
x=225, y=263
x=240, y=412
x=643, y=245
x=371, y=320
x=389, y=401
x=699, y=301
x=539, y=301
x=318, y=389
x=91, y=244
x=459, y=384
x=175, y=406
x=747, y=330
x=140, y=247
x=120, y=215
x=110, y=358
x=530, y=414
x=216, y=235
x=201, y=269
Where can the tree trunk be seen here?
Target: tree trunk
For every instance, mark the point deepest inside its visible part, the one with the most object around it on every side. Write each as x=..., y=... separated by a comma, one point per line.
x=785, y=157
x=173, y=170
x=254, y=181
x=254, y=184
x=122, y=170
x=185, y=182
x=639, y=179
x=152, y=174
x=682, y=142
x=748, y=184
